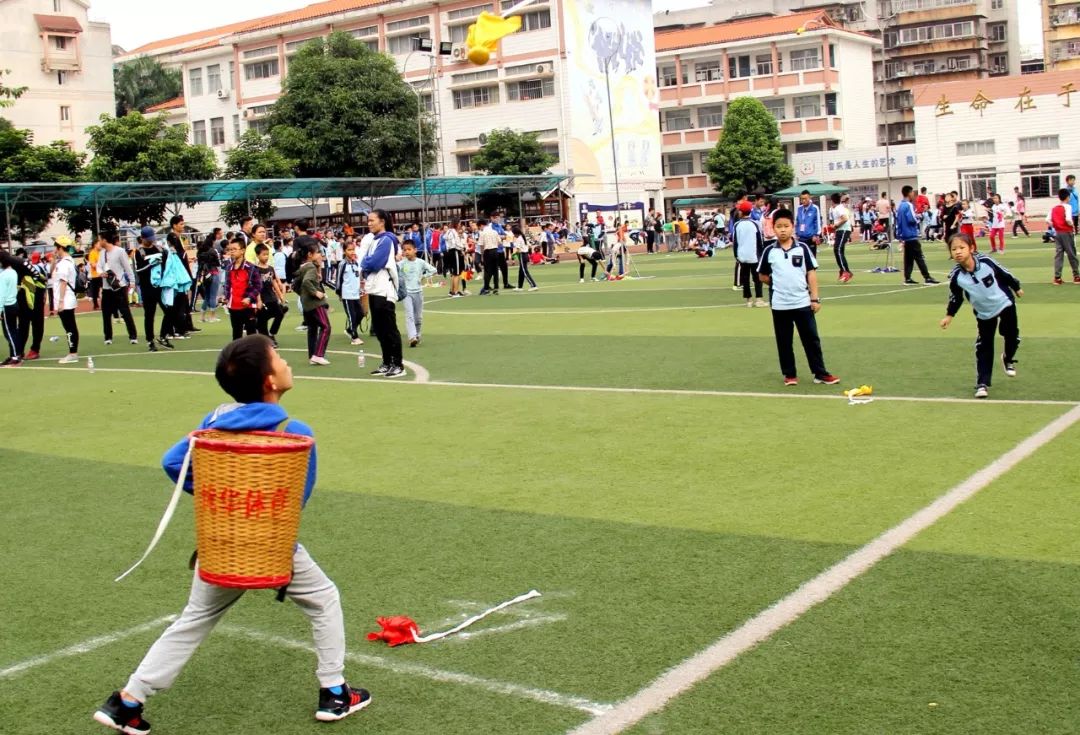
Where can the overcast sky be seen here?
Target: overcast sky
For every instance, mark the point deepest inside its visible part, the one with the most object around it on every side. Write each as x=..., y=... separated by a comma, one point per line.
x=136, y=22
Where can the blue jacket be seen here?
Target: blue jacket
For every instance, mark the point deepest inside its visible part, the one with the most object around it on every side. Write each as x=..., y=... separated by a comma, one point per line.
x=381, y=256
x=907, y=224
x=241, y=417
x=807, y=221
x=1074, y=200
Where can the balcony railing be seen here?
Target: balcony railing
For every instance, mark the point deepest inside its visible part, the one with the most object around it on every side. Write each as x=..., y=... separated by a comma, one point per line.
x=912, y=6
x=1065, y=17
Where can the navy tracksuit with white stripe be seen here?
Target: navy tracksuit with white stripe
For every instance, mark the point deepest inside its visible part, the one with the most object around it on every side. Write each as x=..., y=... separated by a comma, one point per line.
x=991, y=290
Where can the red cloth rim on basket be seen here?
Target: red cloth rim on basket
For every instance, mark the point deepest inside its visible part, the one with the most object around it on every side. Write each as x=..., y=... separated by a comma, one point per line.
x=224, y=445
x=243, y=582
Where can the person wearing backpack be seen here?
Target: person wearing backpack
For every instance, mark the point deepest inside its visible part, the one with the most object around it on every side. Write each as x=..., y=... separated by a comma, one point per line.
x=149, y=265
x=36, y=284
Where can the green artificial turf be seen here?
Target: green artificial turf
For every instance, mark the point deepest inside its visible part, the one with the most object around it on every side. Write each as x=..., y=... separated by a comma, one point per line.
x=653, y=522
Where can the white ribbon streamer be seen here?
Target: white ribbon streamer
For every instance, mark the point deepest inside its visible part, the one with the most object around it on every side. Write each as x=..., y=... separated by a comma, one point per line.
x=436, y=636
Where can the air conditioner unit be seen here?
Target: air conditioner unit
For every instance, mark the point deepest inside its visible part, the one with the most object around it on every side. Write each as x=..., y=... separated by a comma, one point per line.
x=223, y=94
x=544, y=69
x=460, y=52
x=482, y=138
x=249, y=113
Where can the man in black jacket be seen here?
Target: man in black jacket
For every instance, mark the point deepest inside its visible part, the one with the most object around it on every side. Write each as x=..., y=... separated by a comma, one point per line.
x=149, y=257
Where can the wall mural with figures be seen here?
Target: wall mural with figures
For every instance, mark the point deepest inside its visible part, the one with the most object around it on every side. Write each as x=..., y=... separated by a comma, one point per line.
x=618, y=34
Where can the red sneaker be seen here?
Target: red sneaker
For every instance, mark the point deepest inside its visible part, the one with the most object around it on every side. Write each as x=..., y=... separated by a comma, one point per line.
x=32, y=355
x=1057, y=281
x=791, y=381
x=1076, y=279
x=826, y=379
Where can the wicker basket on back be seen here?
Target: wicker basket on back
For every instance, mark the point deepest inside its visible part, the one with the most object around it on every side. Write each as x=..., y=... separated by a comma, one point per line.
x=249, y=490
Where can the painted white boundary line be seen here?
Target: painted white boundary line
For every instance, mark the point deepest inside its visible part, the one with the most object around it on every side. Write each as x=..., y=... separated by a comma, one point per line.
x=635, y=310
x=90, y=644
x=544, y=696
x=609, y=389
x=765, y=624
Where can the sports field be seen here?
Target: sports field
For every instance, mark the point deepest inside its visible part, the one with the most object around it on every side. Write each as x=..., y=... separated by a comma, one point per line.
x=716, y=553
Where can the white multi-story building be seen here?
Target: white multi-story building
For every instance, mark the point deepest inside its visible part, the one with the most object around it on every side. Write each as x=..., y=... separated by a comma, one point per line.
x=813, y=76
x=1016, y=131
x=65, y=62
x=548, y=78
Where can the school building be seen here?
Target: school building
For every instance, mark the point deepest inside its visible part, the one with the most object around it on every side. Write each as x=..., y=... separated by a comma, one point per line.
x=1001, y=133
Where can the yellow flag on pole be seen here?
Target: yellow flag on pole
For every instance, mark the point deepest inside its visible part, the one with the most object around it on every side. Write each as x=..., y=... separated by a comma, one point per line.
x=485, y=33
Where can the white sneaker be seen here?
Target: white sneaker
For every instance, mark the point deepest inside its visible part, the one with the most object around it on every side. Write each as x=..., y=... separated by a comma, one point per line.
x=133, y=341
x=761, y=303
x=535, y=288
x=301, y=328
x=981, y=391
x=357, y=341
x=108, y=341
x=581, y=280
x=68, y=359
x=318, y=361
x=750, y=304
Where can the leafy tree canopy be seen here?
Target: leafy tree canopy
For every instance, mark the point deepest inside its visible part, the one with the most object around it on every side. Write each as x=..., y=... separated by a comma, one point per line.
x=8, y=95
x=23, y=162
x=142, y=83
x=140, y=148
x=346, y=111
x=254, y=158
x=509, y=153
x=748, y=157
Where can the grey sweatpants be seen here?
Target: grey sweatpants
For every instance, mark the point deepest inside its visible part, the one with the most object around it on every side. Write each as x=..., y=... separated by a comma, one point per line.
x=1065, y=247
x=414, y=313
x=310, y=588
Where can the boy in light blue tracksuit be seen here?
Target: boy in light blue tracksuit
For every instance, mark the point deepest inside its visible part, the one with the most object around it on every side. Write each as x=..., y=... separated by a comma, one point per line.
x=252, y=372
x=413, y=271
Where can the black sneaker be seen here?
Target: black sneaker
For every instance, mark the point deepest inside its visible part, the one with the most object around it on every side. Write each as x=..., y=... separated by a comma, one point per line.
x=910, y=282
x=273, y=340
x=11, y=362
x=333, y=707
x=194, y=329
x=382, y=370
x=931, y=282
x=117, y=715
x=151, y=347
x=164, y=342
x=395, y=372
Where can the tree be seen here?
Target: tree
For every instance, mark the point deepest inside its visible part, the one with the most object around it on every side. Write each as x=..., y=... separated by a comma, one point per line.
x=23, y=162
x=140, y=148
x=8, y=95
x=254, y=158
x=142, y=83
x=346, y=111
x=748, y=157
x=509, y=153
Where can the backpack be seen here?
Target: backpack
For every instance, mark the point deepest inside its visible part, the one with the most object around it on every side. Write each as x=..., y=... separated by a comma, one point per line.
x=81, y=282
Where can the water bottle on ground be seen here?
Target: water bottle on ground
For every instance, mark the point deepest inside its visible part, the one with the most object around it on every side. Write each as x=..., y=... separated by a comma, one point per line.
x=90, y=364
x=360, y=359
x=54, y=338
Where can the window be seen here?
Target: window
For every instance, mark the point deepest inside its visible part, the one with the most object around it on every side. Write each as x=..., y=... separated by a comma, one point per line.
x=258, y=52
x=61, y=78
x=464, y=163
x=475, y=76
x=401, y=25
x=194, y=82
x=364, y=32
x=668, y=78
x=463, y=13
x=236, y=128
x=996, y=31
x=999, y=64
x=897, y=132
x=830, y=103
x=710, y=117
x=213, y=79
x=926, y=66
x=738, y=66
x=525, y=69
x=65, y=113
x=832, y=56
x=977, y=183
x=56, y=6
x=894, y=69
x=677, y=120
x=975, y=148
x=261, y=70
x=708, y=71
x=232, y=71
x=198, y=132
x=60, y=42
x=293, y=46
x=530, y=89
x=260, y=110
x=678, y=164
x=553, y=151
x=458, y=34
x=373, y=45
x=217, y=131
x=478, y=97
x=404, y=44
x=1041, y=180
x=997, y=4
x=898, y=101
x=803, y=59
x=890, y=39
x=778, y=107
x=807, y=106
x=536, y=20
x=262, y=127
x=427, y=102
x=961, y=29
x=1040, y=143
x=813, y=146
x=764, y=64
x=958, y=62
x=541, y=134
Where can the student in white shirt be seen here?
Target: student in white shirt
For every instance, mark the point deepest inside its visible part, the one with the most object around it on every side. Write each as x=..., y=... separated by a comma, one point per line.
x=66, y=301
x=840, y=216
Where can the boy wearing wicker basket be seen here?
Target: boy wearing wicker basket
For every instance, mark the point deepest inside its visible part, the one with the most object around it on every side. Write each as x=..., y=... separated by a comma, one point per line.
x=251, y=371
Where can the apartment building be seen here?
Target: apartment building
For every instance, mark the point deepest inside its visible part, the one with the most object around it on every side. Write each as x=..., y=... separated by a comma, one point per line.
x=548, y=78
x=1061, y=34
x=948, y=40
x=65, y=62
x=812, y=75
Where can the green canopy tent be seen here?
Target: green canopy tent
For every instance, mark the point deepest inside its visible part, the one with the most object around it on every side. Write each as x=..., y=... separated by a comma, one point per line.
x=816, y=189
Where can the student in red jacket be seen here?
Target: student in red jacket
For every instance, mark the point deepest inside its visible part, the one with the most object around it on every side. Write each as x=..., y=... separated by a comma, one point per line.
x=243, y=284
x=1061, y=217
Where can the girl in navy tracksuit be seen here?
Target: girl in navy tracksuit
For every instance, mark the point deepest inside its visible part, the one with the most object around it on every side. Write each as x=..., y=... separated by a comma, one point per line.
x=992, y=291
x=349, y=286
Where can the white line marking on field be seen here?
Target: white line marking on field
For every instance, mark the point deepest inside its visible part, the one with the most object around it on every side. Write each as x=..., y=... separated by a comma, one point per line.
x=408, y=668
x=765, y=624
x=90, y=644
x=636, y=310
x=613, y=389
